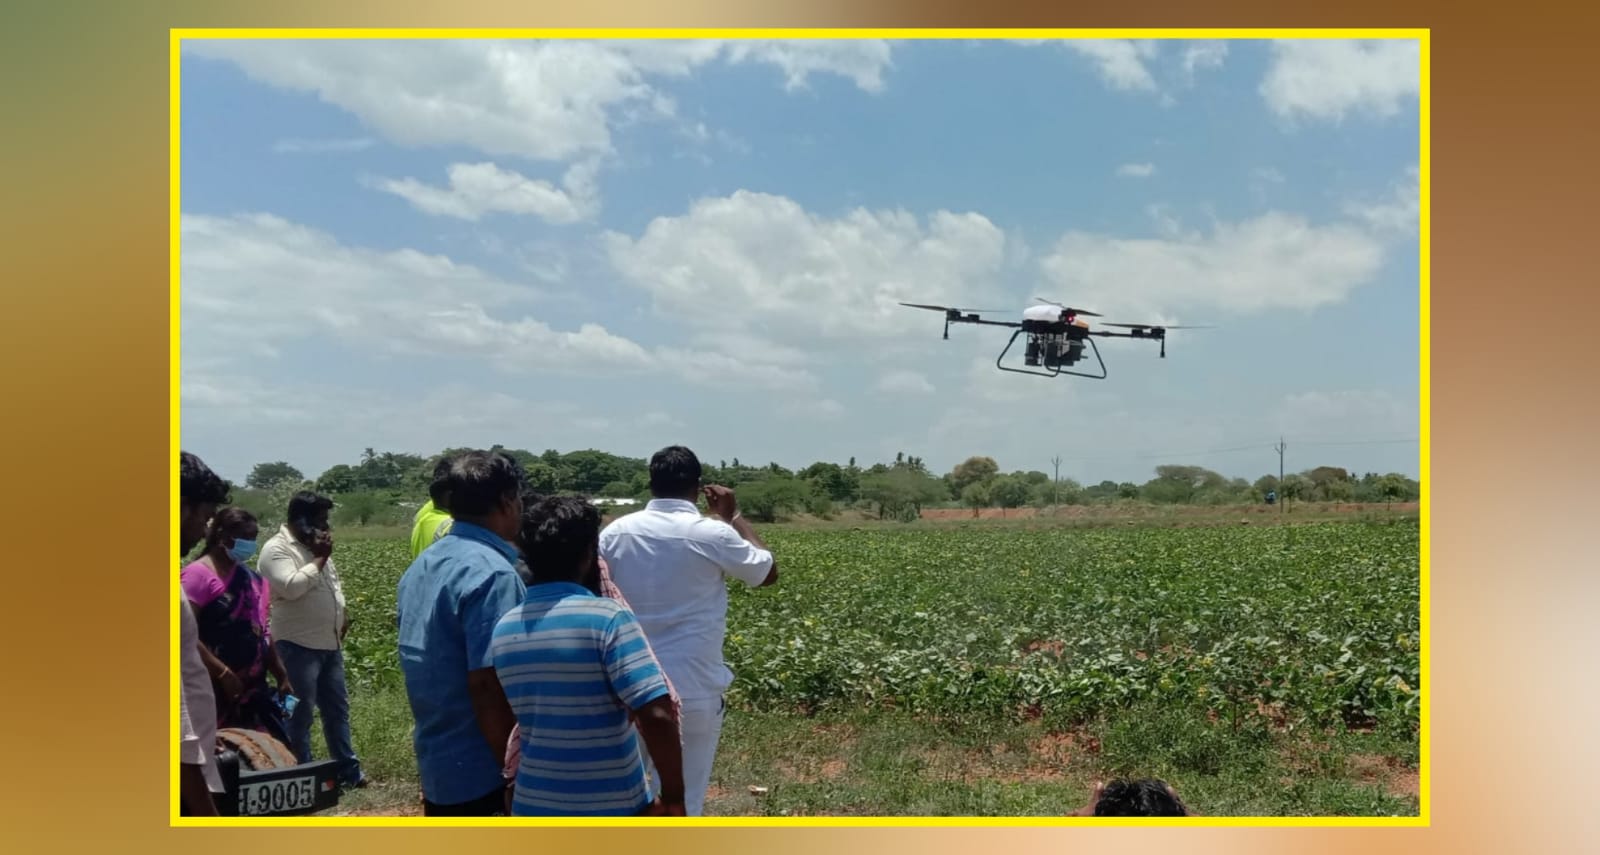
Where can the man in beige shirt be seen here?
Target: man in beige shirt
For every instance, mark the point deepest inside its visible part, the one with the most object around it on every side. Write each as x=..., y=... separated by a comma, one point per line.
x=309, y=623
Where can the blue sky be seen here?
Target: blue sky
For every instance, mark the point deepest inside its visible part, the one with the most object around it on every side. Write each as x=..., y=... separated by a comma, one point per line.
x=413, y=245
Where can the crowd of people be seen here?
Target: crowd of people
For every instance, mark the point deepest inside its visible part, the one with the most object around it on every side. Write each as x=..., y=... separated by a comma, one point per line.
x=553, y=666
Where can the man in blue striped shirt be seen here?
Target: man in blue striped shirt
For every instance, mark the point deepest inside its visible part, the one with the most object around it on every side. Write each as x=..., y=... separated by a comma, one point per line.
x=578, y=674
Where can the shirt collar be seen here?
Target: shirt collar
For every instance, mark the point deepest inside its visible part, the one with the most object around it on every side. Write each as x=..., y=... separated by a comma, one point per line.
x=288, y=536
x=679, y=506
x=551, y=590
x=461, y=528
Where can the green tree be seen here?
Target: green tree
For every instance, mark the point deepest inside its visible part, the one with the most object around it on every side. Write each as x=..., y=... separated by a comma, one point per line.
x=971, y=471
x=339, y=479
x=265, y=476
x=977, y=496
x=543, y=477
x=832, y=480
x=1175, y=484
x=767, y=499
x=359, y=508
x=1103, y=491
x=1010, y=492
x=902, y=493
x=1394, y=487
x=1297, y=487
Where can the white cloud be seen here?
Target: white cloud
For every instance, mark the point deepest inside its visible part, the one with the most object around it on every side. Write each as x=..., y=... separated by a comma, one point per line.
x=259, y=277
x=1136, y=170
x=905, y=383
x=477, y=189
x=863, y=61
x=1274, y=261
x=716, y=369
x=1120, y=62
x=1400, y=213
x=761, y=263
x=1129, y=65
x=299, y=146
x=1203, y=55
x=1328, y=80
x=543, y=100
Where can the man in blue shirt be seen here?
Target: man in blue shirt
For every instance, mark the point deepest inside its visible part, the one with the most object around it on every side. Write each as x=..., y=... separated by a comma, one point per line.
x=579, y=674
x=450, y=599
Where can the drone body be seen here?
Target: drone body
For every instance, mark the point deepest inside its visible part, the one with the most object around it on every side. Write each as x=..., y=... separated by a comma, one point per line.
x=1056, y=336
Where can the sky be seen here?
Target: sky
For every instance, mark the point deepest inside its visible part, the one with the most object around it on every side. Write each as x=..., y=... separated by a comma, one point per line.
x=412, y=245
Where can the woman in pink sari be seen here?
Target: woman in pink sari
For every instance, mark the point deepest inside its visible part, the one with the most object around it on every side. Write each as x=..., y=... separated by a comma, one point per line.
x=231, y=607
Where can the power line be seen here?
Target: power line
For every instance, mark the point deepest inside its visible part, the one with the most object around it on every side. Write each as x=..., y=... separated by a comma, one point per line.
x=1363, y=442
x=1173, y=454
x=1261, y=446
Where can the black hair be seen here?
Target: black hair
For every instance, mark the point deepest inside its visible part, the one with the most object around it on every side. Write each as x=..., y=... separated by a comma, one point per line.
x=439, y=487
x=226, y=522
x=306, y=504
x=557, y=534
x=1145, y=797
x=197, y=484
x=480, y=480
x=674, y=472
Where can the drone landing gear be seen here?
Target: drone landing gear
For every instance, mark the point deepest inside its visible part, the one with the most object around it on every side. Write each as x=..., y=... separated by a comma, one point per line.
x=1054, y=371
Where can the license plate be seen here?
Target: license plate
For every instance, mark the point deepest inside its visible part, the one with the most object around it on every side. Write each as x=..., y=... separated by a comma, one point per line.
x=269, y=797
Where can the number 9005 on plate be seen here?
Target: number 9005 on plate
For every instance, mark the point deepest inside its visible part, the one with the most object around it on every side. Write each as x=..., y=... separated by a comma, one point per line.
x=269, y=797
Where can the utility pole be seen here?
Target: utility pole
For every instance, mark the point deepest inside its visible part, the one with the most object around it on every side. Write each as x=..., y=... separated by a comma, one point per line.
x=1055, y=486
x=1283, y=495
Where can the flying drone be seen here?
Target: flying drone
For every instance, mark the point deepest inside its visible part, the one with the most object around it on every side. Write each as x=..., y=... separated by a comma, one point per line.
x=1056, y=336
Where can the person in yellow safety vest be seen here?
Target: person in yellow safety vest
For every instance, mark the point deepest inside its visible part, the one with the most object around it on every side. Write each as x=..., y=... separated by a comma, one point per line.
x=433, y=519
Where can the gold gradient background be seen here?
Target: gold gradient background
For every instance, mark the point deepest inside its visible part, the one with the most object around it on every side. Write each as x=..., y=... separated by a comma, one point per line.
x=84, y=217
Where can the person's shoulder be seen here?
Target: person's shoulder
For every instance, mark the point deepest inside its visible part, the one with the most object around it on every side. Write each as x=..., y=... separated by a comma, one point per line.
x=278, y=540
x=712, y=528
x=512, y=620
x=624, y=523
x=197, y=579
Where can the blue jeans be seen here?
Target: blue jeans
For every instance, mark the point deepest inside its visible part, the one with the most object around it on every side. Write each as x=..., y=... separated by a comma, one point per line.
x=318, y=680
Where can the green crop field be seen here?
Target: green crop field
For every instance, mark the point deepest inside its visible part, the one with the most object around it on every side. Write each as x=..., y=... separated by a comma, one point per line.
x=1263, y=670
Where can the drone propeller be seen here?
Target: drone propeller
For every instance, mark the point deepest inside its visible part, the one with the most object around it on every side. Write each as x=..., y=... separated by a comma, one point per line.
x=1068, y=308
x=953, y=309
x=1159, y=326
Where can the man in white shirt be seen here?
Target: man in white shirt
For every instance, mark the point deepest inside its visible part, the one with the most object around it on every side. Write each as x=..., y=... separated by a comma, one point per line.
x=672, y=564
x=200, y=491
x=309, y=622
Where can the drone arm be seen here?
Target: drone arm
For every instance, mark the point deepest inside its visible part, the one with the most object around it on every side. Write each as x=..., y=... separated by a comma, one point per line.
x=1147, y=335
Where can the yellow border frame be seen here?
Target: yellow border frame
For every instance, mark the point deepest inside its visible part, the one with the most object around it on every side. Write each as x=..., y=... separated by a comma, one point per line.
x=1422, y=35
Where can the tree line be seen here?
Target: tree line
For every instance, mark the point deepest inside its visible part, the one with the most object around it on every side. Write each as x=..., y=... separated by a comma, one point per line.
x=372, y=488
